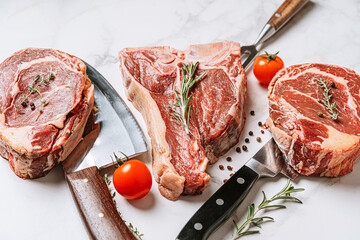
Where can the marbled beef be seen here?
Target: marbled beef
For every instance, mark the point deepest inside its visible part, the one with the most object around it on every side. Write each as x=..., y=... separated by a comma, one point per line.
x=151, y=74
x=45, y=100
x=313, y=142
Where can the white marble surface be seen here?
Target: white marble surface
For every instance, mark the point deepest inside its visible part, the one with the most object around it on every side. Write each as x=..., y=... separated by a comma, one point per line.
x=326, y=31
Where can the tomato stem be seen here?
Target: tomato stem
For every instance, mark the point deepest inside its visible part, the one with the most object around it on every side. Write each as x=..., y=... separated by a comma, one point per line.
x=269, y=57
x=119, y=162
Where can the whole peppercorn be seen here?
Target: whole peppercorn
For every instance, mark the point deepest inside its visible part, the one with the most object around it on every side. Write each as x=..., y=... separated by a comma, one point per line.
x=332, y=84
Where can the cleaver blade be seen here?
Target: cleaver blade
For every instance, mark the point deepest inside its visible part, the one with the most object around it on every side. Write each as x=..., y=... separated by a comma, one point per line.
x=112, y=129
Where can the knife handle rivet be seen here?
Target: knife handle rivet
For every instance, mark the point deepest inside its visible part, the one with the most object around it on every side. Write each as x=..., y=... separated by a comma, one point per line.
x=86, y=180
x=198, y=226
x=277, y=15
x=101, y=215
x=240, y=180
x=219, y=201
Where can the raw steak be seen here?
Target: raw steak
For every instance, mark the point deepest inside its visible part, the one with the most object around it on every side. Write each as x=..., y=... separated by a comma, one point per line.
x=42, y=117
x=314, y=143
x=217, y=118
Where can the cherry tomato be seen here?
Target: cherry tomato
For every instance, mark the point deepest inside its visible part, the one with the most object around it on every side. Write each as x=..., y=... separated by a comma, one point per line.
x=132, y=180
x=266, y=66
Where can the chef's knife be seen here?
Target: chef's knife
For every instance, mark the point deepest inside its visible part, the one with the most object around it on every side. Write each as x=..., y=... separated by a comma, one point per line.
x=267, y=162
x=282, y=15
x=115, y=129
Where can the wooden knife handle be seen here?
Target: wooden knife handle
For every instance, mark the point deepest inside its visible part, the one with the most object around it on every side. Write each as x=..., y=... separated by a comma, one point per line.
x=96, y=206
x=285, y=12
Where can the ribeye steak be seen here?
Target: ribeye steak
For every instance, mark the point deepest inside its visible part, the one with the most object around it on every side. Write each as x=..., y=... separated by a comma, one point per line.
x=151, y=74
x=45, y=101
x=312, y=141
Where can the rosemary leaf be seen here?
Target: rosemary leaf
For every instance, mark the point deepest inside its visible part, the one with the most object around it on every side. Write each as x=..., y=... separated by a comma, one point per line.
x=182, y=96
x=251, y=220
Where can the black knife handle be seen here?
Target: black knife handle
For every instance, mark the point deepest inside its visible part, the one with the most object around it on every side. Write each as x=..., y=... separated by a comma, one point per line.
x=220, y=205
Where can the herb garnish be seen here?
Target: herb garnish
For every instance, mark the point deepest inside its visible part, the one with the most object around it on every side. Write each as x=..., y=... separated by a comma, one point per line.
x=133, y=229
x=326, y=101
x=284, y=194
x=33, y=88
x=182, y=97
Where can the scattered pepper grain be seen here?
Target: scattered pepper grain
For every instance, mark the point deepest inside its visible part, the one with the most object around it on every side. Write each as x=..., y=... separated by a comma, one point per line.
x=244, y=148
x=228, y=159
x=251, y=133
x=252, y=113
x=247, y=140
x=238, y=149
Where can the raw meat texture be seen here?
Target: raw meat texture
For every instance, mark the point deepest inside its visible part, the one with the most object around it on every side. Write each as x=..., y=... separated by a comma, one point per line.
x=316, y=145
x=35, y=139
x=151, y=74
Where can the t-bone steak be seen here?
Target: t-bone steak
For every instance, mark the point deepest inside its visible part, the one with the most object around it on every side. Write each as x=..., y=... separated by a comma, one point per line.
x=312, y=141
x=45, y=101
x=151, y=74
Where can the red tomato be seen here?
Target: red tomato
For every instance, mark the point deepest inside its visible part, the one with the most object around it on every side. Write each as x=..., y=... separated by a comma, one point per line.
x=132, y=180
x=266, y=66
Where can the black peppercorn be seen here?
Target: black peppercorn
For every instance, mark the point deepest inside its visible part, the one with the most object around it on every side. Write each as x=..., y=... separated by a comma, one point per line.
x=238, y=150
x=244, y=148
x=252, y=113
x=24, y=104
x=262, y=131
x=332, y=84
x=247, y=140
x=320, y=114
x=251, y=133
x=260, y=124
x=228, y=159
x=32, y=105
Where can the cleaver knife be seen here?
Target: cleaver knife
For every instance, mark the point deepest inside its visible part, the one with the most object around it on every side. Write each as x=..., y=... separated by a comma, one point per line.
x=267, y=162
x=114, y=130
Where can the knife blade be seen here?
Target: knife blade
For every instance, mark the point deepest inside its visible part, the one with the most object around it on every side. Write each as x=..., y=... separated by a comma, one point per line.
x=267, y=162
x=114, y=129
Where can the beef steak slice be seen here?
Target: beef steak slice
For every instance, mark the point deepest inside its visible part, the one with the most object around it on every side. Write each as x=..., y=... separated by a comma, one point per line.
x=42, y=119
x=151, y=74
x=314, y=143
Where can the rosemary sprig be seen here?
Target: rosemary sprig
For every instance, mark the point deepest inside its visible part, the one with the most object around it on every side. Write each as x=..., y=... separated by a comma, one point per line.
x=133, y=229
x=326, y=101
x=251, y=220
x=183, y=98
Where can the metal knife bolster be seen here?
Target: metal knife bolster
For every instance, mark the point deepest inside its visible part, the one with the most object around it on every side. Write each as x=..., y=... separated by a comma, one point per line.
x=269, y=161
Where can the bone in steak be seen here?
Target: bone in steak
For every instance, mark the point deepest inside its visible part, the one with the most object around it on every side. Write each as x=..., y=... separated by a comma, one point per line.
x=316, y=145
x=151, y=74
x=42, y=120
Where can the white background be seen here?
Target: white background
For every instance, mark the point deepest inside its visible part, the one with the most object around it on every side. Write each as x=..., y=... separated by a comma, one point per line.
x=324, y=32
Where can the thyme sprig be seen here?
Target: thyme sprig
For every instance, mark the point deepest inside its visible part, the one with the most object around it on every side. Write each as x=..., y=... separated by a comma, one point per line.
x=251, y=220
x=133, y=229
x=33, y=88
x=326, y=101
x=183, y=98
